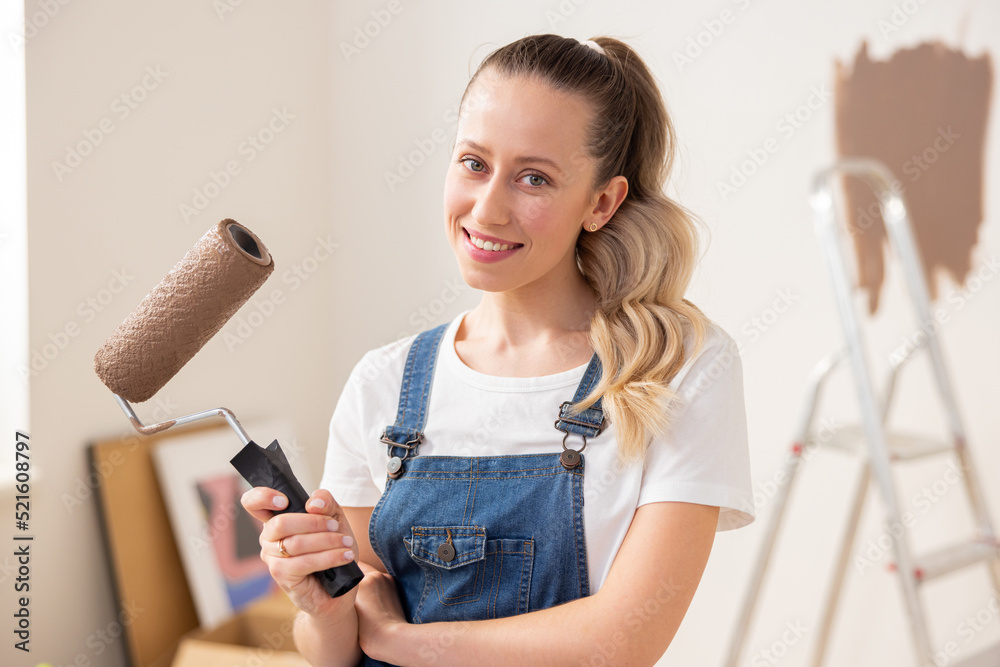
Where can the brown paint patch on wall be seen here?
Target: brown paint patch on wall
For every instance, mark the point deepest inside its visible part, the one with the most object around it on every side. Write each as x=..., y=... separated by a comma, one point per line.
x=923, y=114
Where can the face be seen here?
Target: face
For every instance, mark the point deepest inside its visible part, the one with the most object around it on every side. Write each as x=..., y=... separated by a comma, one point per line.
x=519, y=177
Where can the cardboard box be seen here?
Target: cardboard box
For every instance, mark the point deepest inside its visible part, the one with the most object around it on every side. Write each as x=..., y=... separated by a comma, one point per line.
x=259, y=636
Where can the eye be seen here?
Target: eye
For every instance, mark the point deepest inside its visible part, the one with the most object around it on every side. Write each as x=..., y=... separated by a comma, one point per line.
x=536, y=180
x=472, y=164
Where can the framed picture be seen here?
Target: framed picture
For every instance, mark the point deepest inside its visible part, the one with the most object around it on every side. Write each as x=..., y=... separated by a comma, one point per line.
x=217, y=538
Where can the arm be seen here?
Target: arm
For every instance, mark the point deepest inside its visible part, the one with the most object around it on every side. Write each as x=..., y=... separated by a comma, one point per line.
x=631, y=620
x=317, y=637
x=326, y=629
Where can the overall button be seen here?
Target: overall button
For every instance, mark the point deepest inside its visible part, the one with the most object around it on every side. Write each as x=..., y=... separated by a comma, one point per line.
x=446, y=552
x=570, y=458
x=394, y=467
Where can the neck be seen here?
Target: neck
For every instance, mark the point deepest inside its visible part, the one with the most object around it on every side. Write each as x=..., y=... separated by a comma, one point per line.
x=534, y=315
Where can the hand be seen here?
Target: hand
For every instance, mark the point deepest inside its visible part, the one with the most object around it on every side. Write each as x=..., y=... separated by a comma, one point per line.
x=316, y=540
x=379, y=612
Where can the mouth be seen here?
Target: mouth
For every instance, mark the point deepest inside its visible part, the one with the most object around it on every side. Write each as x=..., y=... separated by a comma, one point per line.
x=490, y=243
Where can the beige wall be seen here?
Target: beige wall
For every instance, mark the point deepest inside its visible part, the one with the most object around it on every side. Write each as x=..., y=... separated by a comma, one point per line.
x=357, y=114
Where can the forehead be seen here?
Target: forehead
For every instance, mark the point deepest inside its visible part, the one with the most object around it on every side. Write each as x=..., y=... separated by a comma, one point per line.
x=524, y=115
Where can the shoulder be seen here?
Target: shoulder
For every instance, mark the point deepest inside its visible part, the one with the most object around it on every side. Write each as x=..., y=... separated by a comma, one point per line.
x=383, y=363
x=718, y=352
x=386, y=362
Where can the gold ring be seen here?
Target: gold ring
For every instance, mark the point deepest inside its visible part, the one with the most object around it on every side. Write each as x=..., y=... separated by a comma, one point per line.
x=281, y=549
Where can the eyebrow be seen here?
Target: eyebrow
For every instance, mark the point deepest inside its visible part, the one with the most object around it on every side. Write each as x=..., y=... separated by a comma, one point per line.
x=526, y=158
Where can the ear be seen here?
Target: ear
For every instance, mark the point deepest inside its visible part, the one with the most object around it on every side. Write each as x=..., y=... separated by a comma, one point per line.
x=606, y=202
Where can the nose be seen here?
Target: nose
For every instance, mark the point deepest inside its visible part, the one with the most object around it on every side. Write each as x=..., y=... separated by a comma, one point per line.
x=492, y=206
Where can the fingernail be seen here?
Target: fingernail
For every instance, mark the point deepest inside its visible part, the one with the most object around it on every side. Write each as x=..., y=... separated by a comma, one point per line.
x=280, y=501
x=348, y=555
x=317, y=503
x=332, y=525
x=348, y=540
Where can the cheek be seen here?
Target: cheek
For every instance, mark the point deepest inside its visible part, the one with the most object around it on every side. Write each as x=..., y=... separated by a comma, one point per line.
x=538, y=212
x=457, y=196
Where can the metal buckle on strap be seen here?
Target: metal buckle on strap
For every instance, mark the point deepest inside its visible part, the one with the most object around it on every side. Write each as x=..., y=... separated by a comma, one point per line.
x=569, y=420
x=394, y=467
x=570, y=458
x=408, y=446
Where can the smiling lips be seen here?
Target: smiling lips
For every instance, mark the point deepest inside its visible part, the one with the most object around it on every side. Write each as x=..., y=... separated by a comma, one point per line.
x=493, y=245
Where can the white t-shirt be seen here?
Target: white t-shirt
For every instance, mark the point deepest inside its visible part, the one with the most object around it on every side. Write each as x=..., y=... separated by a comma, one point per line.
x=705, y=459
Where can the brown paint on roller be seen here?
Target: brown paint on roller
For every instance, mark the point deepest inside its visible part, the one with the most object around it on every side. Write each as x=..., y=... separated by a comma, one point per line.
x=184, y=311
x=923, y=114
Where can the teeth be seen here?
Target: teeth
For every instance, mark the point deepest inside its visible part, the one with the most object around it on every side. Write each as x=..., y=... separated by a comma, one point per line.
x=488, y=245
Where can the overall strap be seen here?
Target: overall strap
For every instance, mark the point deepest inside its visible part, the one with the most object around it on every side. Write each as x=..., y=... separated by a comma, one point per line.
x=589, y=423
x=414, y=393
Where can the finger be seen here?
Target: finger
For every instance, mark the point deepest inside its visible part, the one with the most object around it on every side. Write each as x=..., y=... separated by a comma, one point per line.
x=322, y=502
x=262, y=502
x=294, y=523
x=307, y=543
x=302, y=565
x=367, y=569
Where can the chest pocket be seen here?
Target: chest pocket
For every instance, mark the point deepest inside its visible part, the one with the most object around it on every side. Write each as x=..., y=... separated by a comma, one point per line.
x=468, y=575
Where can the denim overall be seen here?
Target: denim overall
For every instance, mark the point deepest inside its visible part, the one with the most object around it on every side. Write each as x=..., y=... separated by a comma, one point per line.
x=470, y=538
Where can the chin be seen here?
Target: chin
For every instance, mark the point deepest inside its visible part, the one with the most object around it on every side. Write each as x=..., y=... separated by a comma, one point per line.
x=476, y=280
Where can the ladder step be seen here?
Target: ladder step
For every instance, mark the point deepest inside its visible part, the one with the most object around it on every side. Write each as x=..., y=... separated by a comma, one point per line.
x=949, y=559
x=988, y=658
x=902, y=446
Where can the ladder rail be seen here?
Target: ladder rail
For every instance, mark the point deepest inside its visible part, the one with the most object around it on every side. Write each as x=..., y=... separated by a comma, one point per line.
x=900, y=231
x=833, y=595
x=814, y=384
x=824, y=209
x=899, y=228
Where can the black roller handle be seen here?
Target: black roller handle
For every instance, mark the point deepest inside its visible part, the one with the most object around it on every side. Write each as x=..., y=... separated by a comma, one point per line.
x=269, y=468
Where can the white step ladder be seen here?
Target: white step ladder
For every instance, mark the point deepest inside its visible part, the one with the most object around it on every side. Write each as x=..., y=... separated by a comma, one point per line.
x=883, y=448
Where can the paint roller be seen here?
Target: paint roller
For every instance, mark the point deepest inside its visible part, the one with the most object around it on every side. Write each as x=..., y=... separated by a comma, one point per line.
x=189, y=306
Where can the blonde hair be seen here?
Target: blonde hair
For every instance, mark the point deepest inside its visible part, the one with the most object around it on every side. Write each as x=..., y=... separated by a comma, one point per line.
x=639, y=264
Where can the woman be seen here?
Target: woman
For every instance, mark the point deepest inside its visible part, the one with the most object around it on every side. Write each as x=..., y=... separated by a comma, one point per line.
x=506, y=547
